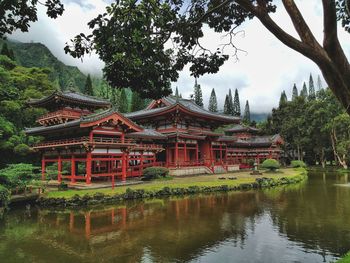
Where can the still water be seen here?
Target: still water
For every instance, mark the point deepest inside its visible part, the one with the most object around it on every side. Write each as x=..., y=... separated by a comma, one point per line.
x=308, y=222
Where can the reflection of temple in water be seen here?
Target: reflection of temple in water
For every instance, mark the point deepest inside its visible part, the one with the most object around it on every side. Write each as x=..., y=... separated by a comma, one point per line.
x=168, y=229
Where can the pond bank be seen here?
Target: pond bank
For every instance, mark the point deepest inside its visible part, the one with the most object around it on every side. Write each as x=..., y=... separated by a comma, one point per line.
x=345, y=259
x=175, y=187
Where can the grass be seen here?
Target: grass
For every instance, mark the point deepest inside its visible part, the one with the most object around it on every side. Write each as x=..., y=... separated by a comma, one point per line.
x=345, y=259
x=180, y=182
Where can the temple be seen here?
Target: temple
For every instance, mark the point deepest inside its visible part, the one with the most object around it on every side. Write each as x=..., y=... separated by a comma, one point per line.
x=97, y=143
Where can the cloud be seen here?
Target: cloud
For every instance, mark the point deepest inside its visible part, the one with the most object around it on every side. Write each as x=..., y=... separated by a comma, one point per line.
x=268, y=68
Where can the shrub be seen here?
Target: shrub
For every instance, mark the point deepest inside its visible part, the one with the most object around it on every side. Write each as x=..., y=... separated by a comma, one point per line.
x=155, y=172
x=271, y=164
x=18, y=175
x=296, y=164
x=4, y=196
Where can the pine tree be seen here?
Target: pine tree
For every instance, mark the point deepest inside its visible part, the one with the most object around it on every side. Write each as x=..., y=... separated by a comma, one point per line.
x=283, y=98
x=227, y=105
x=114, y=98
x=176, y=92
x=123, y=102
x=198, y=96
x=88, y=90
x=295, y=92
x=137, y=103
x=246, y=117
x=303, y=92
x=319, y=83
x=236, y=105
x=230, y=103
x=312, y=94
x=213, y=103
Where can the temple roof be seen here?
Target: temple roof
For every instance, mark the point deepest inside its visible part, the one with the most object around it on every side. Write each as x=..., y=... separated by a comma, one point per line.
x=258, y=141
x=241, y=128
x=70, y=98
x=189, y=105
x=86, y=121
x=147, y=134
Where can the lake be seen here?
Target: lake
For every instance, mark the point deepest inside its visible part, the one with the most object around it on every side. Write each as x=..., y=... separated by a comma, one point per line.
x=307, y=222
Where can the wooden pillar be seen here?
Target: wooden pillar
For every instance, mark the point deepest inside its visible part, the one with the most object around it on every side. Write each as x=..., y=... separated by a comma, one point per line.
x=124, y=168
x=141, y=163
x=176, y=154
x=88, y=166
x=185, y=152
x=72, y=173
x=197, y=153
x=43, y=163
x=59, y=168
x=167, y=156
x=220, y=153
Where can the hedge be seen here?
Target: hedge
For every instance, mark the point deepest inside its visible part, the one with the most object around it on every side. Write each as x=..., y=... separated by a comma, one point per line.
x=271, y=164
x=297, y=163
x=155, y=172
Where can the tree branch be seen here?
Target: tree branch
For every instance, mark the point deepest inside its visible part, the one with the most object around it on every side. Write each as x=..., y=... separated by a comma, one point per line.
x=299, y=23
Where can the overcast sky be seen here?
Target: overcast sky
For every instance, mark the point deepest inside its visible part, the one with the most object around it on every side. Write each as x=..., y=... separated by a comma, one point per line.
x=260, y=75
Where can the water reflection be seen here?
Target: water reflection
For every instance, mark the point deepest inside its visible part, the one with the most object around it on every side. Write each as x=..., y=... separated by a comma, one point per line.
x=299, y=223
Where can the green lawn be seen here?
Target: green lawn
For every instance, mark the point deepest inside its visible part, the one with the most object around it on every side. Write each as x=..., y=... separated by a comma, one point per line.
x=210, y=180
x=345, y=259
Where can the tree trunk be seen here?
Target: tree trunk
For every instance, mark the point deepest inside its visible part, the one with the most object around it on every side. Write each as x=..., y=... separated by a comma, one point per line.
x=341, y=159
x=322, y=159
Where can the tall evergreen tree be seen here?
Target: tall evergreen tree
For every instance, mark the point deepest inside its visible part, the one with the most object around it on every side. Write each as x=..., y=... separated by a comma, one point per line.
x=123, y=102
x=312, y=93
x=283, y=98
x=227, y=105
x=303, y=92
x=230, y=103
x=213, y=103
x=137, y=103
x=198, y=96
x=88, y=90
x=246, y=116
x=176, y=92
x=294, y=92
x=319, y=83
x=114, y=98
x=236, y=105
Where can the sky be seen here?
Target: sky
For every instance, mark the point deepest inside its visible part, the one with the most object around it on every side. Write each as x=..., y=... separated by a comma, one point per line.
x=263, y=71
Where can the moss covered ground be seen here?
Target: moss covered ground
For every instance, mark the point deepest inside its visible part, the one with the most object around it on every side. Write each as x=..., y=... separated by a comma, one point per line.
x=211, y=180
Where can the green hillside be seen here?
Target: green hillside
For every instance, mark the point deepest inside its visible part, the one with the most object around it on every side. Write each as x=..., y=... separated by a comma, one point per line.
x=38, y=55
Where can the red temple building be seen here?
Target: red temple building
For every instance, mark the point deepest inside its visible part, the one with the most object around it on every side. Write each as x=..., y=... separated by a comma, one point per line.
x=98, y=143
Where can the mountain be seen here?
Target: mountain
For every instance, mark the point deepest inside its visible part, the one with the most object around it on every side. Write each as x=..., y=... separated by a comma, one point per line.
x=258, y=117
x=38, y=55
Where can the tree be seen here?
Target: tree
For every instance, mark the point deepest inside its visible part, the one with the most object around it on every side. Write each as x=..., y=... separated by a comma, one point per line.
x=139, y=54
x=283, y=98
x=230, y=103
x=246, y=116
x=137, y=103
x=319, y=83
x=6, y=51
x=303, y=91
x=177, y=93
x=213, y=103
x=19, y=14
x=227, y=105
x=198, y=97
x=312, y=93
x=294, y=92
x=236, y=105
x=88, y=90
x=123, y=102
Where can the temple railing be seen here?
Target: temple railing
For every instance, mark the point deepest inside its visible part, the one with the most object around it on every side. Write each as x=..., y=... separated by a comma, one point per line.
x=82, y=140
x=61, y=114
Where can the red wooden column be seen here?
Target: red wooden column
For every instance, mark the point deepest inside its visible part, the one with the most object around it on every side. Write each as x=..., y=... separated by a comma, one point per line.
x=185, y=152
x=59, y=168
x=124, y=167
x=176, y=154
x=72, y=179
x=197, y=153
x=88, y=167
x=141, y=163
x=220, y=153
x=43, y=163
